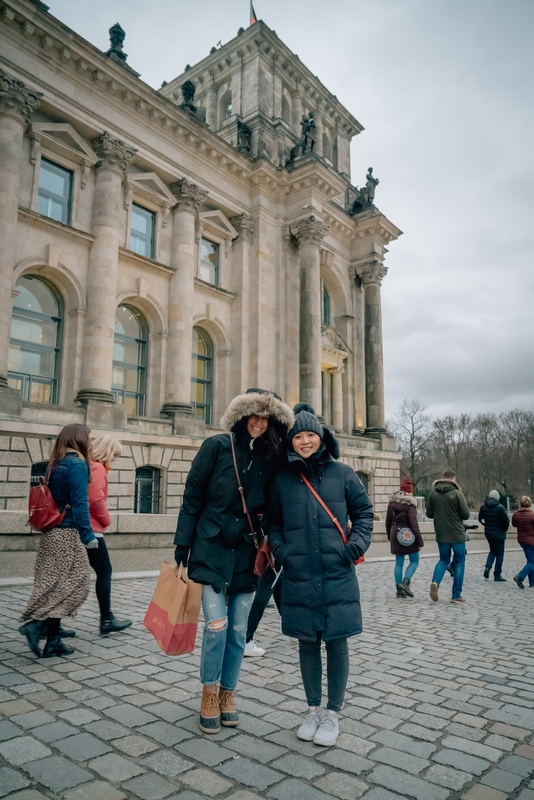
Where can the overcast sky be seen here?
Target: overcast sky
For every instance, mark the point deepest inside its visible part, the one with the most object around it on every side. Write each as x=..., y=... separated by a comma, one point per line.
x=444, y=90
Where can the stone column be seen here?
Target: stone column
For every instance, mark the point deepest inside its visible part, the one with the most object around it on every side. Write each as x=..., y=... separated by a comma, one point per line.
x=310, y=233
x=211, y=105
x=337, y=398
x=318, y=118
x=17, y=102
x=181, y=300
x=99, y=328
x=371, y=275
x=240, y=326
x=296, y=113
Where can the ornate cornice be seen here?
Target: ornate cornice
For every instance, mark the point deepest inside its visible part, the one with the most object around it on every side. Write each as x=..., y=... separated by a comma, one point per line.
x=310, y=230
x=245, y=225
x=16, y=99
x=112, y=153
x=189, y=196
x=56, y=228
x=368, y=272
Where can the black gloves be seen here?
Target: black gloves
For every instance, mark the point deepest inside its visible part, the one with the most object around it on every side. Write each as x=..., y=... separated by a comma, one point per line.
x=181, y=555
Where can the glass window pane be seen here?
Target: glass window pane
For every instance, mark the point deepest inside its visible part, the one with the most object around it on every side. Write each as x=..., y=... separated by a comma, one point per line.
x=209, y=262
x=142, y=226
x=129, y=347
x=131, y=378
x=126, y=323
x=34, y=295
x=40, y=392
x=37, y=332
x=198, y=392
x=54, y=195
x=32, y=363
x=130, y=404
x=199, y=369
x=118, y=379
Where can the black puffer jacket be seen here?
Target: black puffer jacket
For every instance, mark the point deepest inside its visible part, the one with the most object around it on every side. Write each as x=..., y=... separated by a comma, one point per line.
x=211, y=522
x=494, y=518
x=320, y=589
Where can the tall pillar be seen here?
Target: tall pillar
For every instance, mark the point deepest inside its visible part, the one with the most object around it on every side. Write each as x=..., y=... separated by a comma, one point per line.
x=318, y=119
x=97, y=353
x=310, y=233
x=240, y=326
x=337, y=398
x=296, y=114
x=181, y=300
x=211, y=105
x=17, y=102
x=371, y=275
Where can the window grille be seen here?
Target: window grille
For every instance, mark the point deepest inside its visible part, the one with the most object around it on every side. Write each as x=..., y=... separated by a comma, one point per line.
x=147, y=490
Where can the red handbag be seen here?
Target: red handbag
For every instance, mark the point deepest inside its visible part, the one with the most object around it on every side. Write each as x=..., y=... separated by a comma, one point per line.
x=43, y=511
x=264, y=556
x=359, y=560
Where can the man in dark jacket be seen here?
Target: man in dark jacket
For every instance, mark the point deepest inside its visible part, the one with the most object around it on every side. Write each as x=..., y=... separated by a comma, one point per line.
x=448, y=508
x=496, y=522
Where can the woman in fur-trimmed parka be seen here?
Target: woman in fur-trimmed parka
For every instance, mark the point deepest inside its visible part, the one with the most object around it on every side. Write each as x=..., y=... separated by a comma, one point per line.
x=402, y=512
x=213, y=538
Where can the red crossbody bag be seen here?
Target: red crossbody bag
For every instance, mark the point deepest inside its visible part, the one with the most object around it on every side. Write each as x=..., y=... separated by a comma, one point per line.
x=359, y=560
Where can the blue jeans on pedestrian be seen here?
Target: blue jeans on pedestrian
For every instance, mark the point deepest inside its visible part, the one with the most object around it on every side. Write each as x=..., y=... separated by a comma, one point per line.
x=410, y=569
x=528, y=569
x=224, y=645
x=458, y=564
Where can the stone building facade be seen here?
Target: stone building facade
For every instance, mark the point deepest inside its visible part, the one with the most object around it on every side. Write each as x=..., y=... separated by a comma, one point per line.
x=161, y=251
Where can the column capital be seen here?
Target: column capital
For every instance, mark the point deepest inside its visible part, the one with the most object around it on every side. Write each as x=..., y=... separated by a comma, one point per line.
x=310, y=230
x=16, y=99
x=244, y=225
x=113, y=153
x=189, y=196
x=369, y=272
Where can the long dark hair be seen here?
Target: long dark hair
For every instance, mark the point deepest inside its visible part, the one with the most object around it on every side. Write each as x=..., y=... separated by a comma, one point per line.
x=76, y=437
x=273, y=438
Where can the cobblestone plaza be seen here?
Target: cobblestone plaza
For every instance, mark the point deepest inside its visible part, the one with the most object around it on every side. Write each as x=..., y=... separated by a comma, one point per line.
x=440, y=705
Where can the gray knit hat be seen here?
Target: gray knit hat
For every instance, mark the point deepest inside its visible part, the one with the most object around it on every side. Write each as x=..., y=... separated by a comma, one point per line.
x=494, y=494
x=305, y=420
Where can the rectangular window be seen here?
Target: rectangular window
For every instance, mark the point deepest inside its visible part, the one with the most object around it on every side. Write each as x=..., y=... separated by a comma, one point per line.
x=209, y=262
x=142, y=228
x=55, y=191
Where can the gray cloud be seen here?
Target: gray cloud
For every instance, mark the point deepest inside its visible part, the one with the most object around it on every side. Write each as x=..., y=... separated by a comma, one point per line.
x=444, y=90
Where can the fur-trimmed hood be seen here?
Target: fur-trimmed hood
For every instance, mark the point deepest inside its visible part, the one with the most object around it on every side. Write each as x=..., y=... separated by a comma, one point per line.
x=260, y=404
x=444, y=485
x=400, y=497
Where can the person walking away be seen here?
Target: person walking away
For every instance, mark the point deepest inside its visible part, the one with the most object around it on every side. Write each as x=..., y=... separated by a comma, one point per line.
x=268, y=586
x=523, y=520
x=213, y=538
x=492, y=514
x=448, y=508
x=62, y=573
x=402, y=512
x=320, y=594
x=104, y=452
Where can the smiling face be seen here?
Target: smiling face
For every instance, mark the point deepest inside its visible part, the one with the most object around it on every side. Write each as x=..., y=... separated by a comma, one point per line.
x=256, y=426
x=307, y=443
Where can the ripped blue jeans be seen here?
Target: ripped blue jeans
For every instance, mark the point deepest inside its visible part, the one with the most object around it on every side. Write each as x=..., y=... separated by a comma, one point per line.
x=223, y=640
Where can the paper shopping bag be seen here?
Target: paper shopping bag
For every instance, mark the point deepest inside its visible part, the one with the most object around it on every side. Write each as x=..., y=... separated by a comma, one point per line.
x=172, y=616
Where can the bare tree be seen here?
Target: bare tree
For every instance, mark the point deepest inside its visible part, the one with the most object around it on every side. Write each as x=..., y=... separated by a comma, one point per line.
x=413, y=430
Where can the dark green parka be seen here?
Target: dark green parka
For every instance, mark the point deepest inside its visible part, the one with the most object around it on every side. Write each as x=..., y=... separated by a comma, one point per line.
x=211, y=523
x=447, y=506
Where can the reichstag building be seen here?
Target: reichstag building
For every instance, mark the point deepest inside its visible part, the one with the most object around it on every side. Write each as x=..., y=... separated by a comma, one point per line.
x=163, y=250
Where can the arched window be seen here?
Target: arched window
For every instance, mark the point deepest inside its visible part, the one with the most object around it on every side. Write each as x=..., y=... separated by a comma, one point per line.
x=130, y=360
x=228, y=110
x=37, y=471
x=202, y=375
x=286, y=110
x=147, y=490
x=225, y=106
x=326, y=306
x=34, y=346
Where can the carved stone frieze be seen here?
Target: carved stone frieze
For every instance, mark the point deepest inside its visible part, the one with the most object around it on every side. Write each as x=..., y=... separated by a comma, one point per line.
x=112, y=153
x=245, y=225
x=189, y=196
x=16, y=99
x=310, y=230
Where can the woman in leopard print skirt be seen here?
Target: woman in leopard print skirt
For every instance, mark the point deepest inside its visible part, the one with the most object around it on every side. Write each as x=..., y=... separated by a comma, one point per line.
x=62, y=571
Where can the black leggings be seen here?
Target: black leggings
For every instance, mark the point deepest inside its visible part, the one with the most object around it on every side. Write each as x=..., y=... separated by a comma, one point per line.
x=261, y=598
x=99, y=561
x=337, y=671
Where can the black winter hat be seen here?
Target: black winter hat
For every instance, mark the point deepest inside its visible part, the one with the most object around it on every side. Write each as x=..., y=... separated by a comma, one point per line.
x=305, y=420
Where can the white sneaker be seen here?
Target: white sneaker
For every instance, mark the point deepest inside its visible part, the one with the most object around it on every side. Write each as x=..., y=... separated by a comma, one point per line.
x=328, y=730
x=252, y=649
x=307, y=730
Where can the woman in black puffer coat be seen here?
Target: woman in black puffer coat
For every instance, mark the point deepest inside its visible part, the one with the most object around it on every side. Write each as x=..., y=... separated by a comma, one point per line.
x=320, y=595
x=213, y=538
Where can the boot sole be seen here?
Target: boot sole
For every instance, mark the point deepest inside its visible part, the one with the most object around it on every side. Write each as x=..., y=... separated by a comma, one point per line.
x=408, y=592
x=231, y=723
x=434, y=592
x=209, y=730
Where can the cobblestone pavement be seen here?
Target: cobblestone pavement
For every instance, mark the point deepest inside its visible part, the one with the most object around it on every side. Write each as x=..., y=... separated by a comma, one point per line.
x=440, y=706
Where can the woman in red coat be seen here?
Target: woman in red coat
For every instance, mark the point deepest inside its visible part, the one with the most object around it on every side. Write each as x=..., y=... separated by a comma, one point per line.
x=402, y=512
x=104, y=452
x=523, y=520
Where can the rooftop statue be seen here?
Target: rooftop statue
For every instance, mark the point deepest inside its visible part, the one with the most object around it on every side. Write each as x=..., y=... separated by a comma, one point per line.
x=308, y=138
x=360, y=199
x=188, y=93
x=116, y=38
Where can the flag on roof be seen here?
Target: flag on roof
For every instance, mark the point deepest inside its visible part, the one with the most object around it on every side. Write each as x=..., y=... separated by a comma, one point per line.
x=253, y=17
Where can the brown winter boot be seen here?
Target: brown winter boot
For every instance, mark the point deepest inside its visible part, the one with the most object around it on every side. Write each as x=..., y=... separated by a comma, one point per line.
x=210, y=716
x=229, y=715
